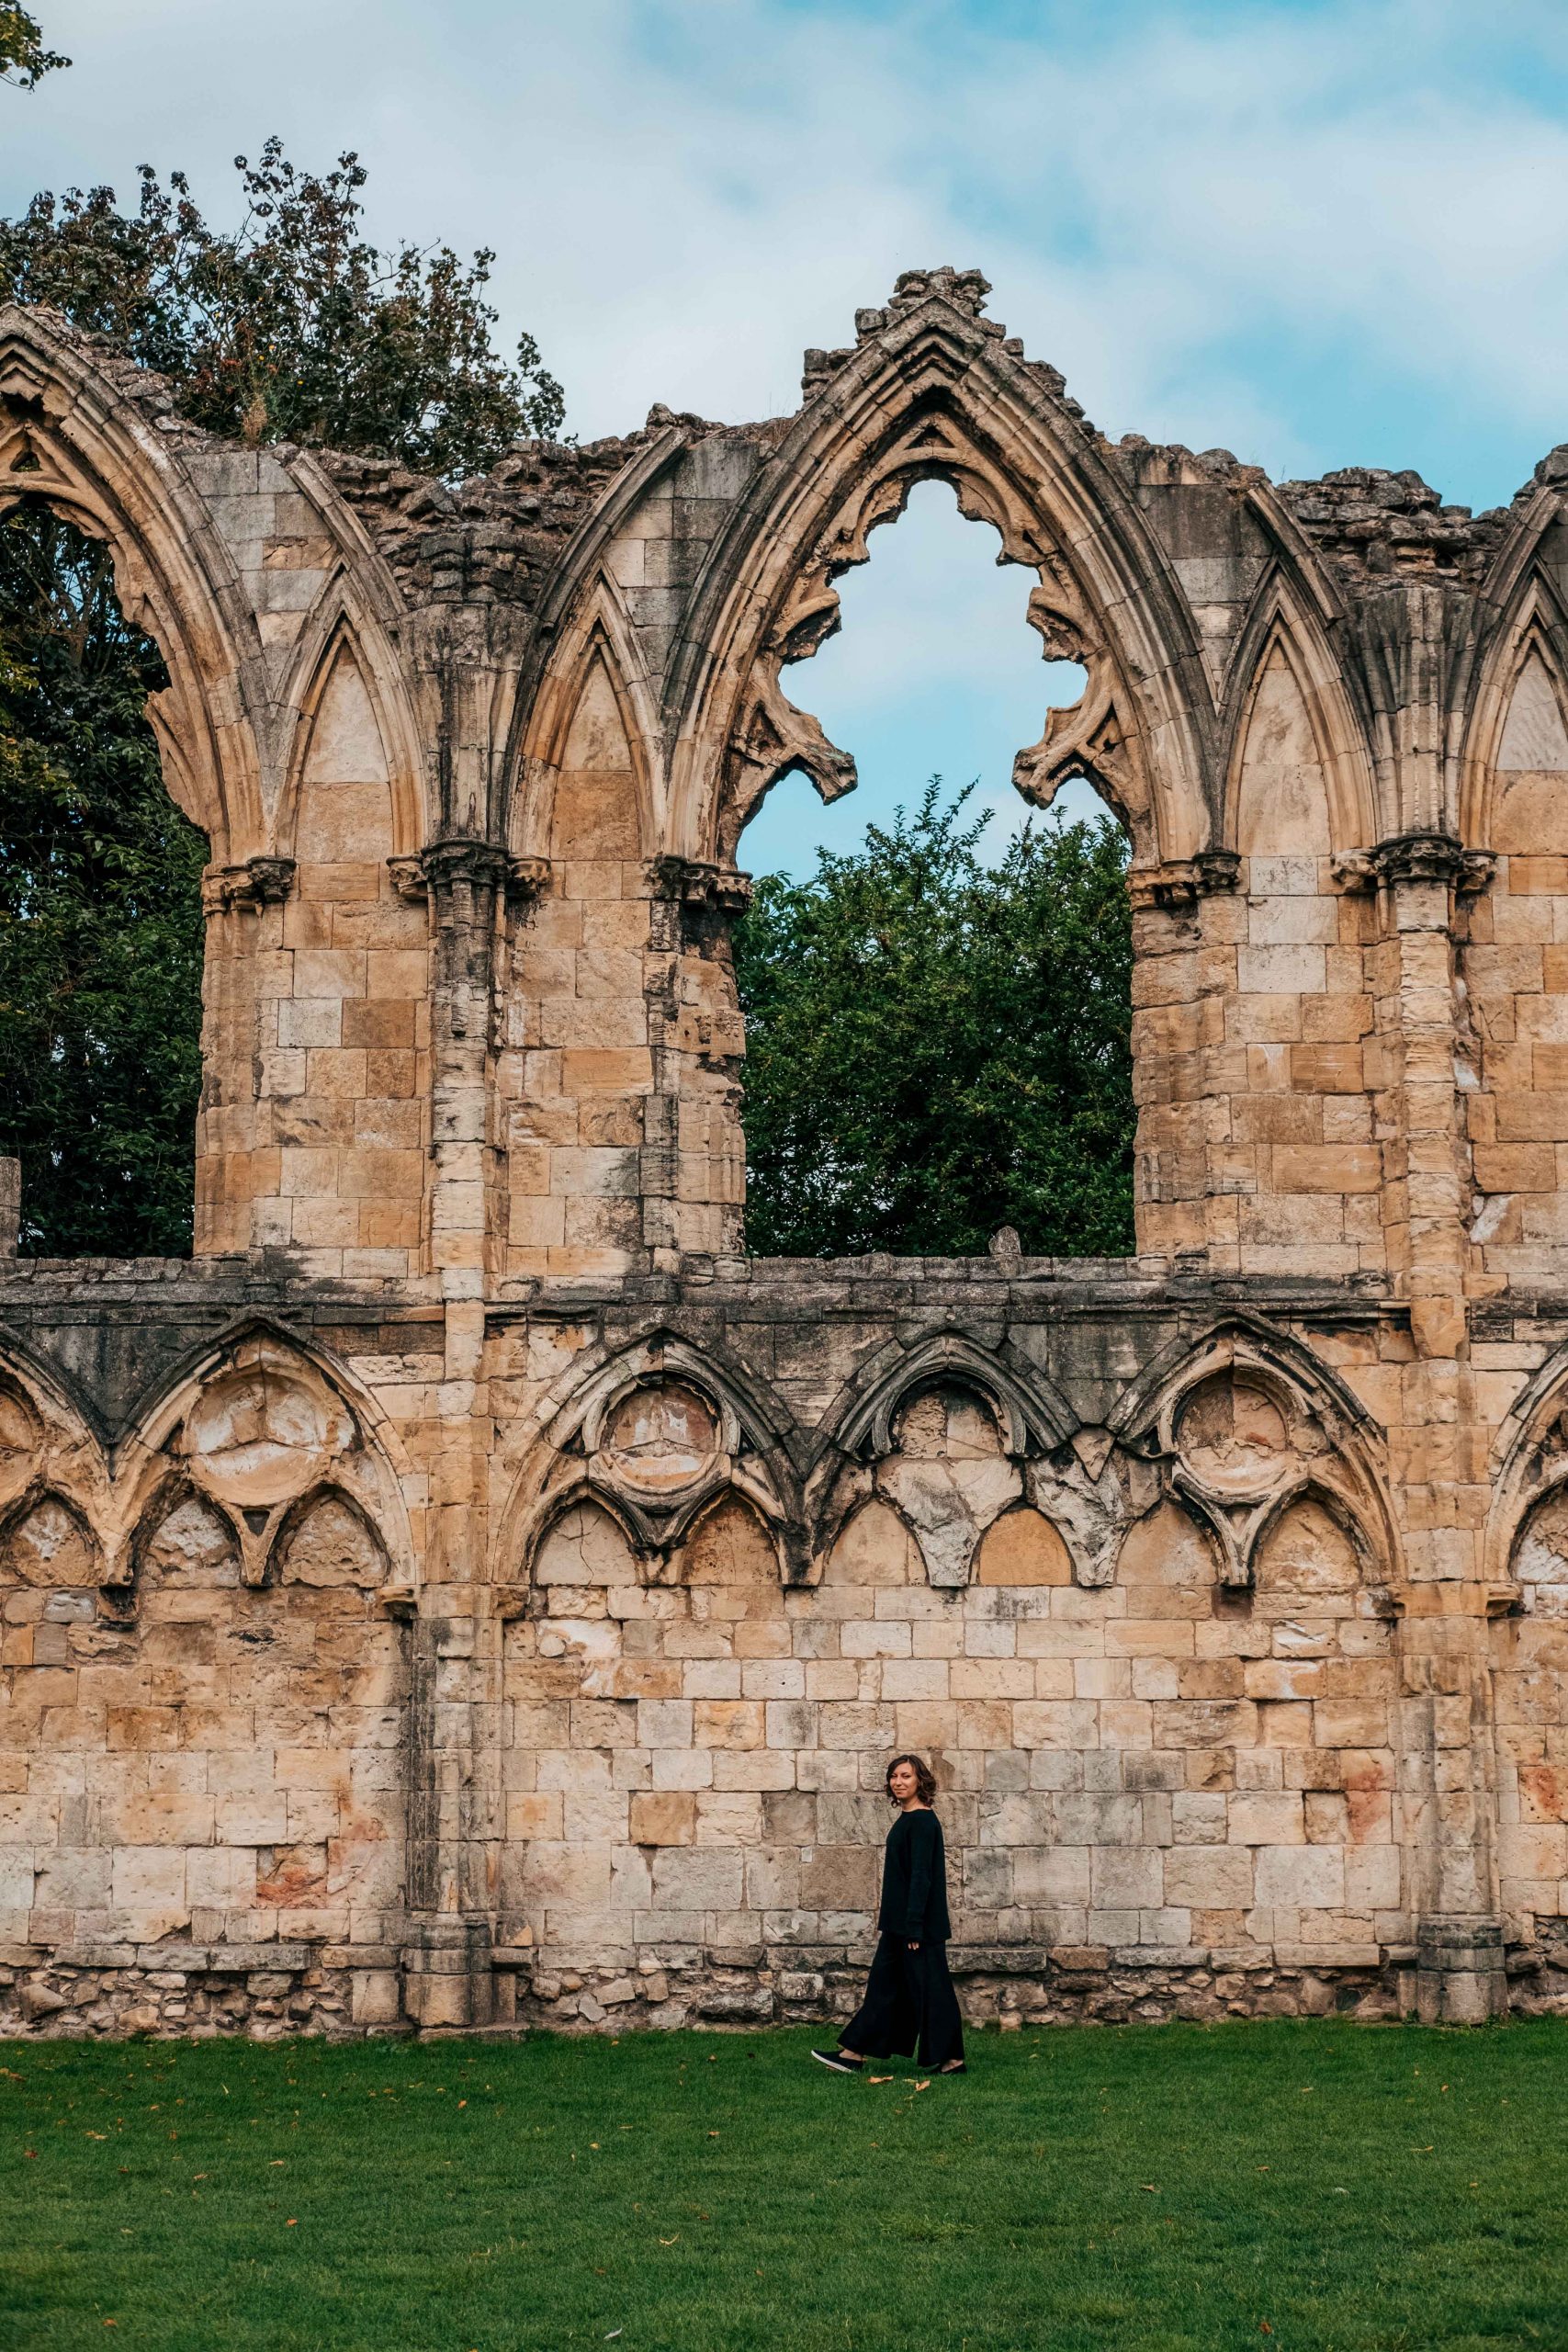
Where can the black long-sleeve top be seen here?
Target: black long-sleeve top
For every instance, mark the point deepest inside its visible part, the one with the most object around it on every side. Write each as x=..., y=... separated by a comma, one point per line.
x=914, y=1880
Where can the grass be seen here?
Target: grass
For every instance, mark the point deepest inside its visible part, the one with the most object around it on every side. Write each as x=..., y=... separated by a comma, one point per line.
x=1342, y=2188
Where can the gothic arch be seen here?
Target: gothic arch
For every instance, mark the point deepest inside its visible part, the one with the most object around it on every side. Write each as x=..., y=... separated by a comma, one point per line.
x=96, y=456
x=567, y=1458
x=334, y=1492
x=1530, y=1460
x=596, y=635
x=338, y=1436
x=934, y=391
x=1324, y=1443
x=1032, y=1414
x=43, y=1495
x=48, y=1445
x=1282, y=625
x=1534, y=629
x=340, y=627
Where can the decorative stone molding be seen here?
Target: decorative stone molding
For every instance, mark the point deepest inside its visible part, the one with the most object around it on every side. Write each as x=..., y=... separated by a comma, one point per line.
x=259, y=882
x=1179, y=882
x=1414, y=857
x=692, y=882
x=482, y=864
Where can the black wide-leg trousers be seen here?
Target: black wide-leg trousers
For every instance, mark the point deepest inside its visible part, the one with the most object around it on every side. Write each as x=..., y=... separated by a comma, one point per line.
x=910, y=2004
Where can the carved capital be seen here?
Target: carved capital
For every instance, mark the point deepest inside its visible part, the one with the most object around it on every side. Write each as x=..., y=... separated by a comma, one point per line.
x=528, y=879
x=259, y=882
x=691, y=882
x=464, y=865
x=1179, y=882
x=445, y=865
x=1415, y=857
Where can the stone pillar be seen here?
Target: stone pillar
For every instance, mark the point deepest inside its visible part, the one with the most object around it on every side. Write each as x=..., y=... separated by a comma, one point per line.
x=693, y=1153
x=1437, y=1445
x=446, y=1963
x=10, y=1207
x=1185, y=928
x=246, y=990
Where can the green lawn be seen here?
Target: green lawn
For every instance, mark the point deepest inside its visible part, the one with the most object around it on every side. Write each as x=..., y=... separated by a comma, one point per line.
x=1299, y=2185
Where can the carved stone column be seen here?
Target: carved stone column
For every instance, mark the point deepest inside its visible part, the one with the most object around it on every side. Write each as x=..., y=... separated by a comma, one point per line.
x=1438, y=1444
x=238, y=1164
x=693, y=1154
x=1185, y=919
x=446, y=1972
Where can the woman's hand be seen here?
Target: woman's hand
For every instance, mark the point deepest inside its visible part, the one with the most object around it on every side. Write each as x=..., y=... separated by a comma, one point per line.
x=914, y=1945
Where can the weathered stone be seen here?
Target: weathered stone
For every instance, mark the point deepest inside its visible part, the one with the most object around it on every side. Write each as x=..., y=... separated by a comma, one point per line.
x=1227, y=1586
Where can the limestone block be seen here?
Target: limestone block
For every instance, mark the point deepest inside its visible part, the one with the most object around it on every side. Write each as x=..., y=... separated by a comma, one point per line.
x=663, y=1819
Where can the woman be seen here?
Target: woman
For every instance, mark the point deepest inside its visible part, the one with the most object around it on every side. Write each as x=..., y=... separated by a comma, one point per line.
x=909, y=2000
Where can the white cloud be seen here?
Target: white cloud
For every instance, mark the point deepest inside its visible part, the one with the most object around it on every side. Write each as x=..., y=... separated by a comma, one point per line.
x=682, y=195
x=1306, y=232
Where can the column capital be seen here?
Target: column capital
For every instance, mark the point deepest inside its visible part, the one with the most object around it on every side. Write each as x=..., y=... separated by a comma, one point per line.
x=255, y=883
x=1415, y=857
x=1179, y=882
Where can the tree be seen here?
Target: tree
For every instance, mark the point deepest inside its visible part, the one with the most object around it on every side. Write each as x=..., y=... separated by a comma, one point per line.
x=936, y=1048
x=100, y=912
x=290, y=327
x=24, y=60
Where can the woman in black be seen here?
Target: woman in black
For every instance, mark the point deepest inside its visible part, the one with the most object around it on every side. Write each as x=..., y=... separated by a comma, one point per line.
x=910, y=2001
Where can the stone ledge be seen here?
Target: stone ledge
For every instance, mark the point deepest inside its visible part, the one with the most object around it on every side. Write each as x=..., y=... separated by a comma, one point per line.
x=1325, y=1956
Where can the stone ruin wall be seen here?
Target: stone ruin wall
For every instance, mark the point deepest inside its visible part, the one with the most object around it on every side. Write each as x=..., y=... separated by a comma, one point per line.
x=472, y=1590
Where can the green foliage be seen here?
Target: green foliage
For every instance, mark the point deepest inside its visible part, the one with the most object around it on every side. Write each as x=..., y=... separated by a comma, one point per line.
x=936, y=1048
x=24, y=60
x=291, y=327
x=100, y=912
x=1316, y=2186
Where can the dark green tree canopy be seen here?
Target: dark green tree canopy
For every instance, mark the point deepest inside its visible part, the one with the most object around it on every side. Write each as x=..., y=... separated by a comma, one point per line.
x=100, y=912
x=937, y=1048
x=291, y=327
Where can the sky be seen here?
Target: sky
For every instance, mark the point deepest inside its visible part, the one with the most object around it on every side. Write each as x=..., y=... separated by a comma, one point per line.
x=1316, y=232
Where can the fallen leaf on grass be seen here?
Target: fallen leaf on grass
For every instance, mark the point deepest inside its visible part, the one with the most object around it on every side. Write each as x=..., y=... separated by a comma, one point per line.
x=923, y=2086
x=879, y=2078
x=291, y=2226
x=613, y=2332
x=1149, y=2187
x=1264, y=2328
x=674, y=2241
x=713, y=2136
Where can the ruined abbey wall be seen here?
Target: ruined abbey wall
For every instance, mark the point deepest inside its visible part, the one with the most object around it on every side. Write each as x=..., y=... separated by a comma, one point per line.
x=473, y=1590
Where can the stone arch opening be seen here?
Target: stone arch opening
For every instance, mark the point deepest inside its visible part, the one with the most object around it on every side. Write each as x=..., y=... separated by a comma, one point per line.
x=899, y=967
x=930, y=668
x=102, y=952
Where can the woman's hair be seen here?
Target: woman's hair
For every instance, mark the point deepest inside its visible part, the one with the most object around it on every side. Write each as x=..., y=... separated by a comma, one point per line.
x=925, y=1779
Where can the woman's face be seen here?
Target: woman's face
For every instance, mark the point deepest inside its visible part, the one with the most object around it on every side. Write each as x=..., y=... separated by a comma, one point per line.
x=902, y=1783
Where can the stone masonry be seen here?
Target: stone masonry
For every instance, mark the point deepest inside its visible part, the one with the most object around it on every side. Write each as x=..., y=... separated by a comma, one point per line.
x=472, y=1590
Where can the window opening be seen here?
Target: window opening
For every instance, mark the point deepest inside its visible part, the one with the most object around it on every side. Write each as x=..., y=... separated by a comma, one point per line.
x=101, y=931
x=936, y=978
